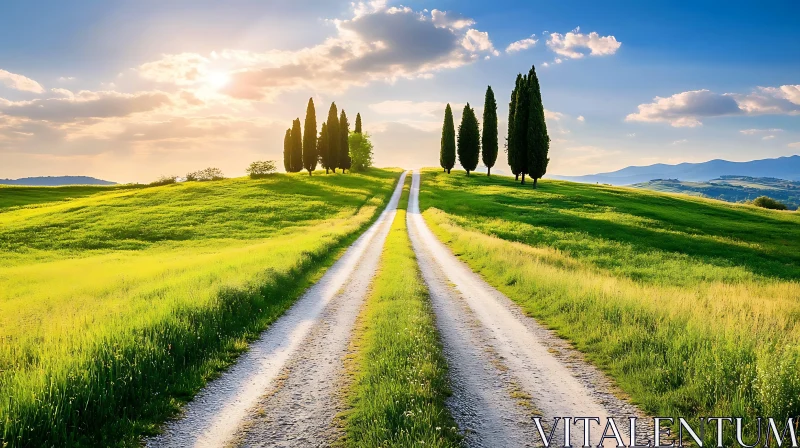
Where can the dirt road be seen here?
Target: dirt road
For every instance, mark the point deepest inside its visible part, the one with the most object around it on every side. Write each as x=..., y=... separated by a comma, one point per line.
x=295, y=361
x=495, y=352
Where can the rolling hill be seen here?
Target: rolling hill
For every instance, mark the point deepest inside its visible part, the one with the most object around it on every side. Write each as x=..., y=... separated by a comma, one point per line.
x=732, y=188
x=781, y=168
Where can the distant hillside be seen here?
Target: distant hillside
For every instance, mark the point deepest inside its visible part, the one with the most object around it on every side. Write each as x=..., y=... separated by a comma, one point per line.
x=732, y=188
x=781, y=168
x=56, y=181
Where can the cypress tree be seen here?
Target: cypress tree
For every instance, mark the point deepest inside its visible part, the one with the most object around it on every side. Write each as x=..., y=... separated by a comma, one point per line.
x=447, y=151
x=309, y=159
x=344, y=148
x=287, y=151
x=331, y=160
x=489, y=136
x=521, y=128
x=538, y=140
x=358, y=123
x=469, y=140
x=297, y=147
x=511, y=147
x=323, y=143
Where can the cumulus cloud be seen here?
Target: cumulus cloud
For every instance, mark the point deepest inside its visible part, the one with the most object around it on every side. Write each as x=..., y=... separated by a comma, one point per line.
x=520, y=45
x=19, y=82
x=377, y=43
x=575, y=45
x=581, y=119
x=686, y=109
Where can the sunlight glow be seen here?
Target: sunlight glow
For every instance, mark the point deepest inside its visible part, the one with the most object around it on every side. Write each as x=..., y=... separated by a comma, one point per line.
x=218, y=80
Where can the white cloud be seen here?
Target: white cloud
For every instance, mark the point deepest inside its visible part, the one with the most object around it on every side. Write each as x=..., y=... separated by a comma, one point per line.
x=794, y=145
x=580, y=118
x=575, y=45
x=680, y=142
x=687, y=108
x=631, y=135
x=19, y=82
x=520, y=45
x=66, y=78
x=450, y=20
x=478, y=41
x=759, y=131
x=767, y=137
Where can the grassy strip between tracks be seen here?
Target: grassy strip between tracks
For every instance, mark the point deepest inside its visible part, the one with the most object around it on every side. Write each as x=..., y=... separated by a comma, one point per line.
x=691, y=305
x=399, y=382
x=117, y=307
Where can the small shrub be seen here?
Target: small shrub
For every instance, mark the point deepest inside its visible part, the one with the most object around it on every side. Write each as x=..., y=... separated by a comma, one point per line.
x=164, y=180
x=768, y=202
x=260, y=169
x=205, y=175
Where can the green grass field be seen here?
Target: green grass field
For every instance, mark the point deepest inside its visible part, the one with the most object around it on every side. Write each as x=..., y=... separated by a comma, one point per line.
x=400, y=374
x=118, y=304
x=692, y=305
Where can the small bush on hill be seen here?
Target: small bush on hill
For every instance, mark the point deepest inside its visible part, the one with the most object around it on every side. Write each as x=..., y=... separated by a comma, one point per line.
x=768, y=202
x=261, y=169
x=205, y=175
x=164, y=180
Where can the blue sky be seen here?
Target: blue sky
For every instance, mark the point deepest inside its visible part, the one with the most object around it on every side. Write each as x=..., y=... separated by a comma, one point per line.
x=130, y=90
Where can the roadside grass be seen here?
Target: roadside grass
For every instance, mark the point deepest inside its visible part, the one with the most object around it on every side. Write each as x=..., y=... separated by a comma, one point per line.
x=399, y=373
x=118, y=306
x=691, y=305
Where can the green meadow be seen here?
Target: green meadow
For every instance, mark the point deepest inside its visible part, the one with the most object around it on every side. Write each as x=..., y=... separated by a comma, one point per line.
x=117, y=304
x=399, y=374
x=691, y=305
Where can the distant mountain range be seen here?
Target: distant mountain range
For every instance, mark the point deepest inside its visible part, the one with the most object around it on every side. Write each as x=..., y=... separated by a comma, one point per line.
x=781, y=168
x=732, y=189
x=55, y=181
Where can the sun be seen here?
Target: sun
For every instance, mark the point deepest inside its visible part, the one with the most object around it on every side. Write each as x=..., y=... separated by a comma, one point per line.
x=218, y=80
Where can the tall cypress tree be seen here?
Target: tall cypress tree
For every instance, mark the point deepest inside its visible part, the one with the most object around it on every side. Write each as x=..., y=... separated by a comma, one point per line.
x=310, y=138
x=331, y=160
x=287, y=151
x=323, y=142
x=358, y=123
x=538, y=140
x=489, y=136
x=511, y=146
x=344, y=148
x=447, y=151
x=521, y=128
x=297, y=147
x=469, y=140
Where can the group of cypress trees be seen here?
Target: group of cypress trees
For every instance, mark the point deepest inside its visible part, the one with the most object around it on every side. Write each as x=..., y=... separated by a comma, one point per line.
x=470, y=140
x=303, y=150
x=528, y=142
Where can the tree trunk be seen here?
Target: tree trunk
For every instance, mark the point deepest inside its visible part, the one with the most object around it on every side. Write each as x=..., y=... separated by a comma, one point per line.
x=326, y=170
x=448, y=171
x=467, y=173
x=534, y=182
x=488, y=171
x=523, y=178
x=309, y=173
x=516, y=177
